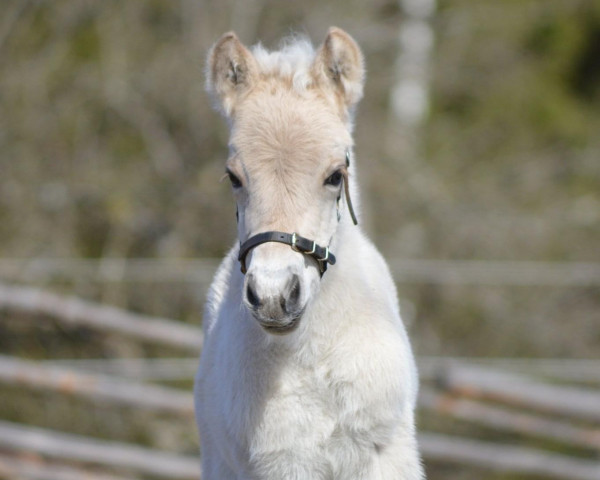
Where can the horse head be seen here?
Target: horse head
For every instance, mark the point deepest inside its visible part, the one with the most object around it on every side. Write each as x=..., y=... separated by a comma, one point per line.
x=290, y=116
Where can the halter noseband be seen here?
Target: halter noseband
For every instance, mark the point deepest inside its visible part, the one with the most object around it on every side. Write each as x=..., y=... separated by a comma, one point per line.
x=299, y=244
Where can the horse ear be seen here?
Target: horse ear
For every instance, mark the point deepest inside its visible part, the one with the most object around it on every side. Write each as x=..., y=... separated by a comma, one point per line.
x=231, y=71
x=339, y=64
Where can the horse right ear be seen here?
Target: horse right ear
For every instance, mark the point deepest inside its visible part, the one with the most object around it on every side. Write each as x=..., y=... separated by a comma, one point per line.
x=231, y=71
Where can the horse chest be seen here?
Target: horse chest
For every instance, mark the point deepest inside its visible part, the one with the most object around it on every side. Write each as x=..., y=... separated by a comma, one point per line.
x=300, y=419
x=298, y=407
x=293, y=401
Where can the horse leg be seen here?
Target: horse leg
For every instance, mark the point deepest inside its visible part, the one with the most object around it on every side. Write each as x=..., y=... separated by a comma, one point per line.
x=400, y=460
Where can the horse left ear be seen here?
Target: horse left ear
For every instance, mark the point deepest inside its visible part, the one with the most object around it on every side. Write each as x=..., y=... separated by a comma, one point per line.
x=339, y=64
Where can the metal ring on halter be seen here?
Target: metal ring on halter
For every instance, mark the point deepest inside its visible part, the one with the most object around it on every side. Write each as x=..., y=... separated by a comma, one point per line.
x=293, y=245
x=326, y=257
x=314, y=249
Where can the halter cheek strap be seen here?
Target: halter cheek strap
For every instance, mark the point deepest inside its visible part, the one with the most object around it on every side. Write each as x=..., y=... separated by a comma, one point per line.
x=347, y=190
x=299, y=244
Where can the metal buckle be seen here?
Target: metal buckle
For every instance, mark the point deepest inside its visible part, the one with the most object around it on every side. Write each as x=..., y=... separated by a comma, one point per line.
x=326, y=257
x=296, y=249
x=293, y=245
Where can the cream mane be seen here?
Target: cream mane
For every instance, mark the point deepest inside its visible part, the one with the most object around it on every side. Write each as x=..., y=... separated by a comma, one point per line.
x=293, y=60
x=336, y=68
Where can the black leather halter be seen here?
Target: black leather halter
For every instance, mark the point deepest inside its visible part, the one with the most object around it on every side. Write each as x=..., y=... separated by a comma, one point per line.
x=299, y=244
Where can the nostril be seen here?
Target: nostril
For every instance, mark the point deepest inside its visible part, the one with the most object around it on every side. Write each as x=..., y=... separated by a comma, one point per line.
x=293, y=296
x=251, y=295
x=295, y=290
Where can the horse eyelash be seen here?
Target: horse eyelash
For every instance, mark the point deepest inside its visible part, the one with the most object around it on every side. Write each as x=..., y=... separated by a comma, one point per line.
x=232, y=176
x=338, y=171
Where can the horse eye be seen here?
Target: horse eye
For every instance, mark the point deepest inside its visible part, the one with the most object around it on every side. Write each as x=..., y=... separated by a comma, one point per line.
x=235, y=181
x=334, y=179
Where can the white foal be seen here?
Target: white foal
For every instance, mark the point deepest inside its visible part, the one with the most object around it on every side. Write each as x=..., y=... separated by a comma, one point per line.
x=306, y=371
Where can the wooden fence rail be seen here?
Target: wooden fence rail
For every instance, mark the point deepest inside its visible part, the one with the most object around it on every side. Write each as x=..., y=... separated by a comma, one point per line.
x=24, y=467
x=139, y=369
x=514, y=389
x=104, y=318
x=506, y=458
x=570, y=370
x=95, y=387
x=64, y=446
x=508, y=420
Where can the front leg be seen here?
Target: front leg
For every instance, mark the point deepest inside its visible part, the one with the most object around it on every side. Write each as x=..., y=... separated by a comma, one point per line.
x=400, y=458
x=383, y=451
x=375, y=388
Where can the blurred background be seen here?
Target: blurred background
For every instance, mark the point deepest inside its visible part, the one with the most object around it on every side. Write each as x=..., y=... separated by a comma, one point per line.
x=478, y=150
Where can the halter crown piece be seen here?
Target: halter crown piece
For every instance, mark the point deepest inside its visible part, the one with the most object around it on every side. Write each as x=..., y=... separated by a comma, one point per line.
x=298, y=243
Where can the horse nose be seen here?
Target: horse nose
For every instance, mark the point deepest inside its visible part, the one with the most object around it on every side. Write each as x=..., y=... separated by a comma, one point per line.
x=274, y=300
x=288, y=299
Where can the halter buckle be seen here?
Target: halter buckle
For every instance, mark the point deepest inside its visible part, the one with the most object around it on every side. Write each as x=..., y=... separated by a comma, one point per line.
x=293, y=245
x=326, y=257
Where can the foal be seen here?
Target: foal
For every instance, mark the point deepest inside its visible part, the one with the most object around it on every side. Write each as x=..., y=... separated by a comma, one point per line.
x=306, y=371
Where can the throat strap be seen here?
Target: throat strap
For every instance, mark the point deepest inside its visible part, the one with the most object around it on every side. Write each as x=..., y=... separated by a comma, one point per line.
x=299, y=244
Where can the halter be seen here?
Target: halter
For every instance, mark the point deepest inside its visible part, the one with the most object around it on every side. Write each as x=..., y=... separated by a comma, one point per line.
x=298, y=243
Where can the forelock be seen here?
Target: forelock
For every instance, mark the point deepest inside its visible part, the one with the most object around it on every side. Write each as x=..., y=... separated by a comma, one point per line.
x=292, y=61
